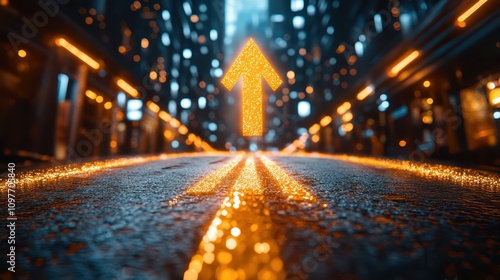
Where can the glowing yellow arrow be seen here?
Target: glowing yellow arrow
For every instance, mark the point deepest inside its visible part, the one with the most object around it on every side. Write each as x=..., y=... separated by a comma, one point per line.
x=251, y=65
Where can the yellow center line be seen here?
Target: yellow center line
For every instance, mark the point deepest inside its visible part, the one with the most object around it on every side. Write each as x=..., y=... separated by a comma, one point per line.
x=208, y=184
x=290, y=188
x=239, y=243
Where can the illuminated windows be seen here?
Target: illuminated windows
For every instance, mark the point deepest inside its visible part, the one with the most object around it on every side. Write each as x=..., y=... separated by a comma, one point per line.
x=298, y=22
x=296, y=5
x=304, y=109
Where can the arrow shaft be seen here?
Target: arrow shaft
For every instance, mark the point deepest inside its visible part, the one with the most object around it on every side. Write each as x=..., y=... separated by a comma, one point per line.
x=252, y=110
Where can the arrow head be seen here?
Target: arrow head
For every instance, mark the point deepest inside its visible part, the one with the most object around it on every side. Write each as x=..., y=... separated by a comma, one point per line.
x=251, y=63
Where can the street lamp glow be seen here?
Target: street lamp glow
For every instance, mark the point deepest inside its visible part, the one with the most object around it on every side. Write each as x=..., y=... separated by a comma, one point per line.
x=153, y=107
x=127, y=88
x=463, y=17
x=164, y=116
x=365, y=93
x=343, y=108
x=90, y=94
x=326, y=120
x=494, y=96
x=347, y=117
x=496, y=101
x=22, y=53
x=144, y=43
x=175, y=123
x=347, y=127
x=403, y=63
x=108, y=105
x=61, y=42
x=314, y=128
x=183, y=130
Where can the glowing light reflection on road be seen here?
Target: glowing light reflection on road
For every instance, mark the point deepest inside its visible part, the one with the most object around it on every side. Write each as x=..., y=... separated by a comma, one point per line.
x=65, y=171
x=457, y=175
x=290, y=188
x=208, y=184
x=51, y=174
x=239, y=242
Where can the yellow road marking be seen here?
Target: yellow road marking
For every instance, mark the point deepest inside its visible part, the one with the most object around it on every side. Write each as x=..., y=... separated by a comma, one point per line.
x=239, y=242
x=208, y=184
x=458, y=175
x=52, y=174
x=290, y=188
x=48, y=175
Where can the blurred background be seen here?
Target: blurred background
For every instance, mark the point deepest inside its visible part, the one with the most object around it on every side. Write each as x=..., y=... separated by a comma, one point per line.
x=413, y=79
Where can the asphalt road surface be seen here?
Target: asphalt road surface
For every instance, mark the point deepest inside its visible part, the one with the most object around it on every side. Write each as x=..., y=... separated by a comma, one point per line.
x=250, y=216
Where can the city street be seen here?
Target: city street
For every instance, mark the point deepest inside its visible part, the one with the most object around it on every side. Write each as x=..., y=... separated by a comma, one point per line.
x=250, y=139
x=249, y=216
